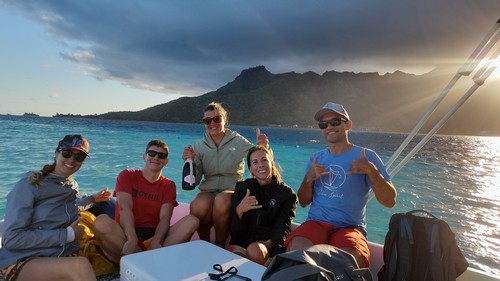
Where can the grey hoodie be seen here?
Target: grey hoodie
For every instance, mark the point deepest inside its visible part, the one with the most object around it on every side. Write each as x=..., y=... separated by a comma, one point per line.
x=36, y=217
x=221, y=166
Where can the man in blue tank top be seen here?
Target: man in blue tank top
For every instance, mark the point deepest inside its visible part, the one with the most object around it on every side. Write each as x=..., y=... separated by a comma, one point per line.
x=337, y=184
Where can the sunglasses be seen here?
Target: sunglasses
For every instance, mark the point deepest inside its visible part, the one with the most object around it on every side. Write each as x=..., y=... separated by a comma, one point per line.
x=334, y=122
x=152, y=154
x=68, y=153
x=208, y=120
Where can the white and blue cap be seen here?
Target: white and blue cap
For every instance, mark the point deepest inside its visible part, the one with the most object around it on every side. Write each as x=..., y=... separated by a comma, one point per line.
x=331, y=107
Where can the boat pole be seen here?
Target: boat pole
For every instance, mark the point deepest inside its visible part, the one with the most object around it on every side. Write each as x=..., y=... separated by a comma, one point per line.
x=466, y=69
x=479, y=78
x=477, y=56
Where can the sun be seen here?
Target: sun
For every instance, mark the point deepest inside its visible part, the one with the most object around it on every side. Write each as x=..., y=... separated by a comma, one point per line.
x=494, y=61
x=496, y=74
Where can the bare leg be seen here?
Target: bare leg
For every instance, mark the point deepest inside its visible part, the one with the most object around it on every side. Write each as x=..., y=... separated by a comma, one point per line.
x=258, y=252
x=54, y=268
x=220, y=217
x=298, y=242
x=201, y=207
x=110, y=236
x=182, y=230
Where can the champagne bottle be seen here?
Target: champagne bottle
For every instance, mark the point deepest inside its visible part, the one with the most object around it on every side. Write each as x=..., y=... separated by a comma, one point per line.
x=188, y=178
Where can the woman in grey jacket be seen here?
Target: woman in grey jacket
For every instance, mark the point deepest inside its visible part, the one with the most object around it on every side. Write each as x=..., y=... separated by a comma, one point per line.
x=219, y=159
x=41, y=220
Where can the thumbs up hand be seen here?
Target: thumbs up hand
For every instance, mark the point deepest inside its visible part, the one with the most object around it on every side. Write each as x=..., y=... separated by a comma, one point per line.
x=362, y=166
x=261, y=138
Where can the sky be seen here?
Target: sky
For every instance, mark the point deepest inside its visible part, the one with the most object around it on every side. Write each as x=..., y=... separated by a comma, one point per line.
x=98, y=56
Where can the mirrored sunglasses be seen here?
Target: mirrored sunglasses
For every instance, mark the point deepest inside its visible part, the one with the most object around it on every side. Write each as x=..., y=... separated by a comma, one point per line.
x=208, y=120
x=152, y=154
x=334, y=122
x=68, y=153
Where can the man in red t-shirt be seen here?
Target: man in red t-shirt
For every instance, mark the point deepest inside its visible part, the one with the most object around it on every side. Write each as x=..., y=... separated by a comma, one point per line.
x=144, y=206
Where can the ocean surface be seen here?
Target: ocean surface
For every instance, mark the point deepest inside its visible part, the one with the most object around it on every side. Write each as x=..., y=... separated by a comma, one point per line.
x=456, y=178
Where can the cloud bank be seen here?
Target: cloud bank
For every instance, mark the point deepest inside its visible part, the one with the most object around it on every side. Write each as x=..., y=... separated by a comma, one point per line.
x=190, y=47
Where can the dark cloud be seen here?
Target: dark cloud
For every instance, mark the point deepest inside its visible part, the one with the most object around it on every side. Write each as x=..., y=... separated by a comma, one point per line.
x=190, y=46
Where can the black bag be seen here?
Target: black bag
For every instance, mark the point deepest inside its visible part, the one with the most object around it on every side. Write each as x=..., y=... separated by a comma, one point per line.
x=318, y=262
x=420, y=248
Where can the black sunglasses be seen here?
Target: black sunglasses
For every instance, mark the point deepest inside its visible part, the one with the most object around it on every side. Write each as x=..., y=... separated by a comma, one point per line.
x=68, y=153
x=152, y=154
x=334, y=122
x=208, y=120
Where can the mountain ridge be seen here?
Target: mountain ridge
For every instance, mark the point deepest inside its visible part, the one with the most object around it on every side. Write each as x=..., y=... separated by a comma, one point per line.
x=391, y=102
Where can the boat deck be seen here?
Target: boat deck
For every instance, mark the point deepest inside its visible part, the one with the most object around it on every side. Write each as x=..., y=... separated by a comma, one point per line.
x=199, y=256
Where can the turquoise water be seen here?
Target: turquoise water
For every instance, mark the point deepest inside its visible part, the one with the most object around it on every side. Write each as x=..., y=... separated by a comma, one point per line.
x=455, y=178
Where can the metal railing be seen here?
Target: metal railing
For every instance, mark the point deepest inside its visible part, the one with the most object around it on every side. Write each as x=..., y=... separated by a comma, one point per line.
x=483, y=61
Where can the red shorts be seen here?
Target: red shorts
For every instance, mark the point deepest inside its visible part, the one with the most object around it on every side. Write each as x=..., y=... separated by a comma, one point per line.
x=323, y=233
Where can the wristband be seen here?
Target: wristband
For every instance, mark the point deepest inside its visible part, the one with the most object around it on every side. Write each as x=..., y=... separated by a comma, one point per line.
x=70, y=234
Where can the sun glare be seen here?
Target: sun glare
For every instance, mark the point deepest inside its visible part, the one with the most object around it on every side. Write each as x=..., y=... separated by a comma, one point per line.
x=488, y=150
x=496, y=73
x=489, y=63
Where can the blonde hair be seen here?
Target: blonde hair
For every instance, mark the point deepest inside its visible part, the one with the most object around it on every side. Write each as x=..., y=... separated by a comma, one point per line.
x=217, y=106
x=37, y=177
x=275, y=173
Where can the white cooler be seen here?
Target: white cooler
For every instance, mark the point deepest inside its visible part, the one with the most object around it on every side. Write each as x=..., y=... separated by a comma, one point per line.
x=193, y=260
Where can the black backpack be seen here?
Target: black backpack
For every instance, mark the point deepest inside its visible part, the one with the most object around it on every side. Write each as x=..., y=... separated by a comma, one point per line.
x=316, y=263
x=420, y=248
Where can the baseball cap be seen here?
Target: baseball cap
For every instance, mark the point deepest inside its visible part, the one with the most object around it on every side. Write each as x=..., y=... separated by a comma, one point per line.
x=77, y=142
x=331, y=107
